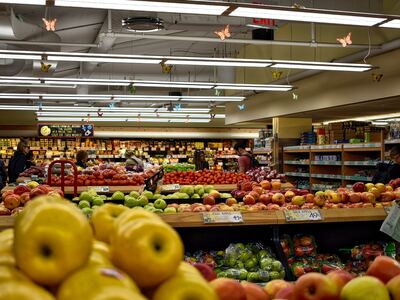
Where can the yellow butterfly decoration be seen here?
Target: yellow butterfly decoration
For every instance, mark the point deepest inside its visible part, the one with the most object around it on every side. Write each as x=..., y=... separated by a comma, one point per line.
x=166, y=69
x=376, y=77
x=345, y=41
x=295, y=96
x=44, y=67
x=50, y=24
x=298, y=6
x=224, y=33
x=276, y=75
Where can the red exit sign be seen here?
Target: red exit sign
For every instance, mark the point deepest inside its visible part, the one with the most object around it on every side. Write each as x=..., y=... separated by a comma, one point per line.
x=264, y=22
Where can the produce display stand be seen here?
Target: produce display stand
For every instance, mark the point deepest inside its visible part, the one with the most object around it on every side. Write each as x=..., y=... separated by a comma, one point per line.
x=304, y=167
x=63, y=164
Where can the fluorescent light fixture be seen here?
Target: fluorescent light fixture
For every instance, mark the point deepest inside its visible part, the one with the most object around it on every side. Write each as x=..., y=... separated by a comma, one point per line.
x=183, y=85
x=183, y=60
x=366, y=118
x=380, y=123
x=31, y=2
x=308, y=15
x=309, y=65
x=81, y=97
x=129, y=114
x=137, y=120
x=167, y=7
x=254, y=87
x=391, y=24
x=192, y=61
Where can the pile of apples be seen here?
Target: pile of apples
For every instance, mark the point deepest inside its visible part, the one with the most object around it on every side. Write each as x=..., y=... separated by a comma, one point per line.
x=203, y=177
x=382, y=281
x=102, y=178
x=14, y=200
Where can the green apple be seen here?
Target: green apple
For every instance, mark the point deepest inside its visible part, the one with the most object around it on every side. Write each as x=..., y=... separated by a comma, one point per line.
x=274, y=275
x=170, y=210
x=263, y=275
x=252, y=276
x=282, y=274
x=143, y=200
x=230, y=261
x=95, y=207
x=131, y=202
x=195, y=196
x=158, y=211
x=160, y=204
x=222, y=274
x=250, y=264
x=245, y=255
x=87, y=211
x=157, y=196
x=134, y=194
x=148, y=208
x=277, y=266
x=243, y=274
x=239, y=264
x=266, y=263
x=83, y=203
x=148, y=194
x=98, y=201
x=263, y=254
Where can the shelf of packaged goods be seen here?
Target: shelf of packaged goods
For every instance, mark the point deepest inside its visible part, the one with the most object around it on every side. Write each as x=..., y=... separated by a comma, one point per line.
x=319, y=187
x=297, y=174
x=326, y=162
x=360, y=163
x=294, y=148
x=263, y=217
x=326, y=147
x=326, y=150
x=358, y=178
x=264, y=162
x=296, y=162
x=371, y=149
x=70, y=190
x=327, y=176
x=394, y=141
x=297, y=151
x=262, y=151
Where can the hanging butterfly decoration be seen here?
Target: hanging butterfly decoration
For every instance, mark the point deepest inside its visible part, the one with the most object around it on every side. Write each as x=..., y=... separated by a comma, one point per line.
x=212, y=116
x=218, y=93
x=187, y=119
x=99, y=113
x=132, y=88
x=241, y=106
x=345, y=41
x=224, y=33
x=295, y=96
x=44, y=67
x=178, y=106
x=298, y=6
x=157, y=114
x=166, y=69
x=276, y=75
x=88, y=118
x=40, y=105
x=111, y=105
x=50, y=25
x=376, y=77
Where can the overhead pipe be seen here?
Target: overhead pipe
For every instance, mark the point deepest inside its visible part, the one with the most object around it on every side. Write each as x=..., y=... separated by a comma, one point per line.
x=231, y=41
x=38, y=43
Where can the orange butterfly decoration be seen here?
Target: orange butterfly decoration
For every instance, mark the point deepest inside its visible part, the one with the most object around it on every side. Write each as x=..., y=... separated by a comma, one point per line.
x=345, y=40
x=50, y=24
x=224, y=33
x=44, y=67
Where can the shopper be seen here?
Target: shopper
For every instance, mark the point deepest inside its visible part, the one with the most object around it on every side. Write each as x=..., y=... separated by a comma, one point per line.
x=388, y=171
x=132, y=162
x=29, y=160
x=3, y=174
x=81, y=159
x=17, y=163
x=200, y=160
x=245, y=161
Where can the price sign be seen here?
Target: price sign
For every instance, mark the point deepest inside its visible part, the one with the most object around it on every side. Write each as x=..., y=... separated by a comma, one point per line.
x=170, y=188
x=65, y=131
x=100, y=189
x=298, y=215
x=387, y=209
x=391, y=225
x=214, y=217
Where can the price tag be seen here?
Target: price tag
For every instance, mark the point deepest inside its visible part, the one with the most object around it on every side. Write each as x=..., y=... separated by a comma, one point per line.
x=387, y=209
x=100, y=189
x=298, y=215
x=213, y=217
x=170, y=188
x=391, y=225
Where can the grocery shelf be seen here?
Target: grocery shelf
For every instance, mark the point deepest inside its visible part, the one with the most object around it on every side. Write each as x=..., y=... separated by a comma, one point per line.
x=327, y=162
x=262, y=150
x=303, y=186
x=395, y=141
x=327, y=147
x=358, y=178
x=362, y=145
x=70, y=189
x=316, y=187
x=296, y=162
x=327, y=176
x=297, y=174
x=362, y=163
x=263, y=217
x=372, y=149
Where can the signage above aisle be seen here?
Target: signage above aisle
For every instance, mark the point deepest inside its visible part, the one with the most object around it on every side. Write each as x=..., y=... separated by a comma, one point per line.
x=65, y=131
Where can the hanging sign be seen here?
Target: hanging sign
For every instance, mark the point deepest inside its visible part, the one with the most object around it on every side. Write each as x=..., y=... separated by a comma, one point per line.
x=65, y=131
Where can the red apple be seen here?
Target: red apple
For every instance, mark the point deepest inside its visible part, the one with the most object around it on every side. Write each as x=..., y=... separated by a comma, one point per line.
x=205, y=270
x=209, y=200
x=384, y=268
x=265, y=184
x=285, y=294
x=319, y=200
x=278, y=198
x=254, y=291
x=276, y=285
x=265, y=199
x=333, y=197
x=340, y=277
x=20, y=189
x=344, y=196
x=231, y=201
x=249, y=200
x=215, y=194
x=12, y=201
x=359, y=187
x=315, y=286
x=258, y=190
x=276, y=184
x=200, y=208
x=289, y=196
x=228, y=289
x=355, y=197
x=310, y=198
x=38, y=191
x=368, y=197
x=255, y=195
x=24, y=198
x=387, y=196
x=6, y=193
x=4, y=211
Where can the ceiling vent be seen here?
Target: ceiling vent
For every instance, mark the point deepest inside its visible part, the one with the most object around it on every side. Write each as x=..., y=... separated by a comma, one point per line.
x=143, y=24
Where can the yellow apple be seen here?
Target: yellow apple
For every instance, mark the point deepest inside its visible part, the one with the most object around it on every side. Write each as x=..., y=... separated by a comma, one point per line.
x=132, y=215
x=365, y=288
x=150, y=251
x=381, y=187
x=52, y=240
x=8, y=273
x=187, y=283
x=103, y=220
x=6, y=245
x=92, y=281
x=100, y=254
x=23, y=290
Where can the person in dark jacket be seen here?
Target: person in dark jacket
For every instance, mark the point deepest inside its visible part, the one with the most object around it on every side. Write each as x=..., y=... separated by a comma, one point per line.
x=394, y=171
x=29, y=160
x=3, y=174
x=388, y=171
x=17, y=163
x=81, y=159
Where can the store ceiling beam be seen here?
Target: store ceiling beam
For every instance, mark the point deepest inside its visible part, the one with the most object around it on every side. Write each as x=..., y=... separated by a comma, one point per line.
x=38, y=43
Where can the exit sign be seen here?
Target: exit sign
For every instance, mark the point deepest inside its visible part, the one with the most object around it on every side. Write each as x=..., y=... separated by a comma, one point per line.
x=264, y=22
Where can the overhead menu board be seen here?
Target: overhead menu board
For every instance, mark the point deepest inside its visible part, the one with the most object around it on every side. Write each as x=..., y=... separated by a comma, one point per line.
x=65, y=131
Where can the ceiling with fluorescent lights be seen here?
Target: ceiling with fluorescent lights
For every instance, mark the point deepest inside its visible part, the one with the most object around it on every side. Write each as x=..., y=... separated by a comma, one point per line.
x=95, y=31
